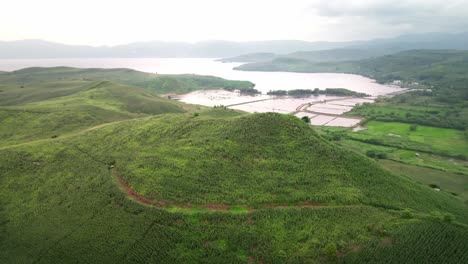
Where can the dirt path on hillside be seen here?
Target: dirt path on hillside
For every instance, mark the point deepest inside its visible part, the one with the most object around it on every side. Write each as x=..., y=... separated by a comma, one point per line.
x=131, y=194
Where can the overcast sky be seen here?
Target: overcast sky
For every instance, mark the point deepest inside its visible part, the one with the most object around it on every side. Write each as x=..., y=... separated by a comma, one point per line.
x=112, y=22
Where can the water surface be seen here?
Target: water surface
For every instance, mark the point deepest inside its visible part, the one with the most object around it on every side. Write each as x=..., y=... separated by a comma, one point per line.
x=264, y=81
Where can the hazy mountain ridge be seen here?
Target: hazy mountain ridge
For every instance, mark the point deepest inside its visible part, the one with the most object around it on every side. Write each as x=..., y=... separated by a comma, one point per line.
x=207, y=49
x=369, y=49
x=213, y=49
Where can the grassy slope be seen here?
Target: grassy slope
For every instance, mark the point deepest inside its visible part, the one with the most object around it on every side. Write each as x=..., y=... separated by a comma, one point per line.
x=252, y=160
x=416, y=243
x=415, y=108
x=94, y=103
x=400, y=65
x=450, y=182
x=59, y=203
x=448, y=173
x=38, y=103
x=409, y=157
x=444, y=141
x=443, y=70
x=157, y=83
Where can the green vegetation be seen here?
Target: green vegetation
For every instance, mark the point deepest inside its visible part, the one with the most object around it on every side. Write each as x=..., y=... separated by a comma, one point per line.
x=391, y=143
x=316, y=91
x=306, y=119
x=447, y=181
x=66, y=183
x=97, y=103
x=425, y=130
x=427, y=160
x=415, y=108
x=283, y=64
x=443, y=71
x=442, y=141
x=155, y=157
x=418, y=242
x=157, y=83
x=251, y=57
x=48, y=102
x=81, y=155
x=343, y=54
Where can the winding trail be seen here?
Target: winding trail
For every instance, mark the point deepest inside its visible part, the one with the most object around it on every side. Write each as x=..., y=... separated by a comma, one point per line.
x=128, y=190
x=131, y=194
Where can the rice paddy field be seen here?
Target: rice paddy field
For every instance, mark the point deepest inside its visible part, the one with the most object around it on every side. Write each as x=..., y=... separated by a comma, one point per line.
x=323, y=110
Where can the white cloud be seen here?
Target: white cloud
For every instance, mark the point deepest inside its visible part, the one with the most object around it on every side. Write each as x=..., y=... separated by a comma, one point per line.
x=121, y=21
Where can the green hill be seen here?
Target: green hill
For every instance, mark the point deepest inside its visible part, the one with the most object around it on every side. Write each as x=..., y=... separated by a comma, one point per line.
x=251, y=57
x=443, y=70
x=81, y=106
x=293, y=197
x=40, y=103
x=250, y=160
x=330, y=55
x=157, y=83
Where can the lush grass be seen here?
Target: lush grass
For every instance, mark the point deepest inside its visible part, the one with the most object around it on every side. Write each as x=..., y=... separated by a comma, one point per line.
x=414, y=108
x=418, y=242
x=102, y=102
x=39, y=103
x=432, y=161
x=449, y=182
x=249, y=161
x=409, y=157
x=157, y=83
x=444, y=141
x=59, y=203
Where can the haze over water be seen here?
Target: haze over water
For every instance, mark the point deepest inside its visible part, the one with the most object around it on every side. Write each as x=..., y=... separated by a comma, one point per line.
x=264, y=81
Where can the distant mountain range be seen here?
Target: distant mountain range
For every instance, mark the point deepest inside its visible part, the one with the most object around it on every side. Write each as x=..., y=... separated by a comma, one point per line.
x=220, y=49
x=366, y=49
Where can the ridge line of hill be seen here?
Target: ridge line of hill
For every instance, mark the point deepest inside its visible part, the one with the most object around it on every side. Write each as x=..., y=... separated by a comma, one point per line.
x=67, y=135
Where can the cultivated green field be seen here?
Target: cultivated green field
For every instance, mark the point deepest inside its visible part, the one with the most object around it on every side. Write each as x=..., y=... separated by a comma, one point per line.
x=409, y=156
x=456, y=184
x=247, y=161
x=60, y=203
x=443, y=141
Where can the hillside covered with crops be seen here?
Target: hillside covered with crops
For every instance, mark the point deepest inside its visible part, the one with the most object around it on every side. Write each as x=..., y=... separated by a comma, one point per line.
x=158, y=181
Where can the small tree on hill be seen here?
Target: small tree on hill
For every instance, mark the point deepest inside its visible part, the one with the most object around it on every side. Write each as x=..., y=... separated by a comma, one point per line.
x=306, y=119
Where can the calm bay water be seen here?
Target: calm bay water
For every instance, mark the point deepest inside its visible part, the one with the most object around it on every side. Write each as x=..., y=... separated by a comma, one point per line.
x=264, y=81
